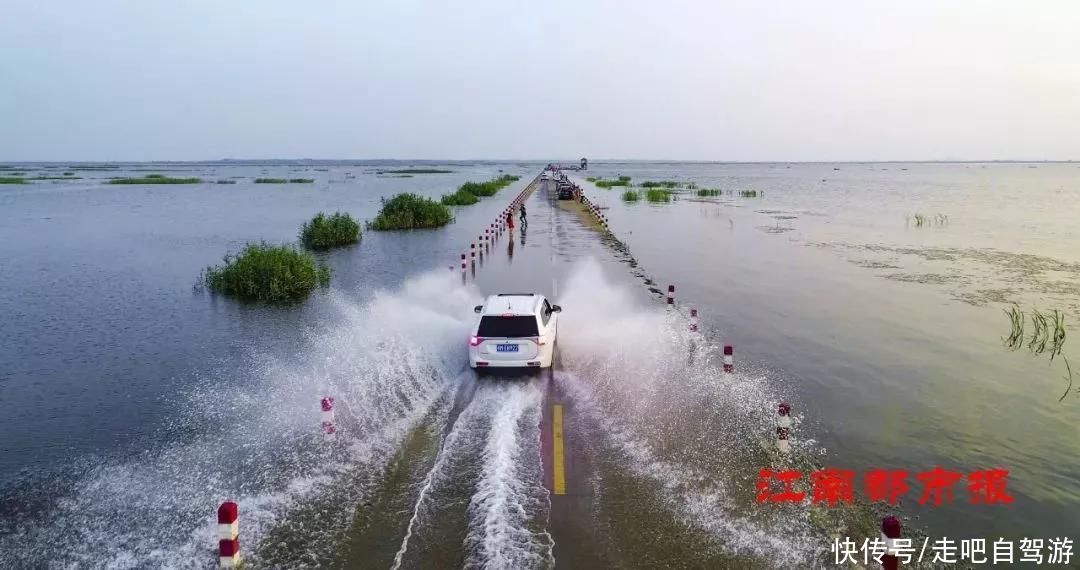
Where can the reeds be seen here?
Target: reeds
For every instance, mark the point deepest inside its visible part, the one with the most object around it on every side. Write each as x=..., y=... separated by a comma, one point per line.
x=225, y=182
x=1047, y=331
x=415, y=171
x=751, y=194
x=268, y=273
x=630, y=196
x=271, y=181
x=325, y=232
x=658, y=196
x=708, y=192
x=12, y=180
x=659, y=184
x=301, y=181
x=621, y=181
x=155, y=179
x=408, y=211
x=923, y=220
x=489, y=188
x=459, y=198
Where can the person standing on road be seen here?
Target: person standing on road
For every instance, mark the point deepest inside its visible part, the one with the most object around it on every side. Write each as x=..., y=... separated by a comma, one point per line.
x=524, y=220
x=510, y=220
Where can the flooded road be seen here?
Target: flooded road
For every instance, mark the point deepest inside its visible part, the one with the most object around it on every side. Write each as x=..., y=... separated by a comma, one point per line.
x=636, y=451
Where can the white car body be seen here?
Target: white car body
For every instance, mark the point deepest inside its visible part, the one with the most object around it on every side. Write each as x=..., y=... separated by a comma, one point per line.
x=514, y=330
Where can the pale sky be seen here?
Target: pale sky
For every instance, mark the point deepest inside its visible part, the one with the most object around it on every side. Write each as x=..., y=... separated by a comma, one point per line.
x=504, y=79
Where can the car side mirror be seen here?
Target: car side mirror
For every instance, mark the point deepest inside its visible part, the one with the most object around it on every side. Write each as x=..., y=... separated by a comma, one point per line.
x=478, y=308
x=556, y=309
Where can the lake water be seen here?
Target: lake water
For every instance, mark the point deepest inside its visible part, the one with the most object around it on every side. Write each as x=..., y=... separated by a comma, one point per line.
x=133, y=404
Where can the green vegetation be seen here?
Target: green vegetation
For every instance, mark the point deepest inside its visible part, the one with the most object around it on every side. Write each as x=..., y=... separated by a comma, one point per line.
x=301, y=180
x=155, y=179
x=490, y=187
x=460, y=198
x=592, y=179
x=271, y=181
x=622, y=181
x=12, y=180
x=659, y=184
x=226, y=182
x=751, y=194
x=264, y=272
x=56, y=178
x=415, y=171
x=707, y=192
x=409, y=211
x=654, y=195
x=325, y=232
x=922, y=220
x=630, y=196
x=1048, y=332
x=69, y=174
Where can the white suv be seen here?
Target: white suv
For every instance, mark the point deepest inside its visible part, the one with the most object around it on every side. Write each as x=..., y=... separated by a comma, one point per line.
x=515, y=330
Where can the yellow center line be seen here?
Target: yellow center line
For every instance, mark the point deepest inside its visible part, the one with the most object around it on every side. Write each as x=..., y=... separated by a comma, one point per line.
x=558, y=467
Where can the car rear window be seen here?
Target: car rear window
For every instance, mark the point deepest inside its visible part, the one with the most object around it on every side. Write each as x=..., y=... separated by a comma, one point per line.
x=493, y=326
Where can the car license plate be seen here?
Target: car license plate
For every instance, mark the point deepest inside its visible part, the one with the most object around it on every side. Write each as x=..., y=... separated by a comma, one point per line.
x=506, y=348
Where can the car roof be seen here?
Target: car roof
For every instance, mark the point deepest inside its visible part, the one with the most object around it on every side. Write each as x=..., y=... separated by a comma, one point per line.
x=513, y=304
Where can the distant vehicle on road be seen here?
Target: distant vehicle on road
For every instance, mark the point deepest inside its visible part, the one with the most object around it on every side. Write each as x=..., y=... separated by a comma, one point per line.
x=515, y=330
x=566, y=193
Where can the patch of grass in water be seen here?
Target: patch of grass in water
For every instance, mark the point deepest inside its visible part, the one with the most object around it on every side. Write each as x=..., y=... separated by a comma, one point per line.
x=658, y=196
x=56, y=178
x=751, y=194
x=155, y=179
x=267, y=273
x=622, y=181
x=659, y=184
x=12, y=180
x=922, y=220
x=226, y=182
x=408, y=211
x=630, y=196
x=271, y=181
x=416, y=171
x=489, y=188
x=301, y=181
x=592, y=179
x=325, y=232
x=707, y=192
x=459, y=198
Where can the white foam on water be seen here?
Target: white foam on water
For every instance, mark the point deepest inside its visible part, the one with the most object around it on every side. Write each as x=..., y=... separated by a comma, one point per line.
x=509, y=496
x=643, y=363
x=257, y=440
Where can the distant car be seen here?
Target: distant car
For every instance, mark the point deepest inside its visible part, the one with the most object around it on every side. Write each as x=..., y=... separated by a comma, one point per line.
x=515, y=330
x=566, y=193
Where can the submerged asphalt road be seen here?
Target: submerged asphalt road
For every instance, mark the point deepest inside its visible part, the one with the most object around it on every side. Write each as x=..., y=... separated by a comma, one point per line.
x=549, y=468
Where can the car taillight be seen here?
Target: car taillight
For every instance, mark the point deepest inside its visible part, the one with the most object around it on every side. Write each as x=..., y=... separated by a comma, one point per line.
x=475, y=340
x=541, y=340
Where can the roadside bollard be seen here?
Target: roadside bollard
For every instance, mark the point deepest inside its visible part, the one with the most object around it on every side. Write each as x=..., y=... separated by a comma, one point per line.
x=328, y=425
x=472, y=252
x=671, y=294
x=783, y=427
x=890, y=532
x=228, y=515
x=463, y=263
x=693, y=320
x=483, y=244
x=729, y=359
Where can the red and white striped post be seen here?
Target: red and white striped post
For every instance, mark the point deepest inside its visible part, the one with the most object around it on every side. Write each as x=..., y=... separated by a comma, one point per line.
x=328, y=425
x=463, y=263
x=472, y=252
x=729, y=359
x=890, y=532
x=693, y=320
x=482, y=244
x=671, y=294
x=783, y=427
x=228, y=516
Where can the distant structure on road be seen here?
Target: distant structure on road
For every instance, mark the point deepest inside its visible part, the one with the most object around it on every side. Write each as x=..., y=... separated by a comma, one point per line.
x=584, y=164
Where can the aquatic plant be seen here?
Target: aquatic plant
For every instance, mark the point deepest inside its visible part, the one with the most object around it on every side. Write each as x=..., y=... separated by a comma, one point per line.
x=155, y=179
x=654, y=195
x=56, y=178
x=624, y=179
x=1068, y=379
x=592, y=179
x=922, y=220
x=1016, y=333
x=301, y=180
x=601, y=183
x=415, y=171
x=459, y=198
x=1057, y=338
x=268, y=273
x=226, y=182
x=271, y=181
x=409, y=211
x=630, y=196
x=489, y=188
x=1037, y=343
x=659, y=184
x=69, y=174
x=707, y=192
x=750, y=193
x=324, y=232
x=12, y=180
